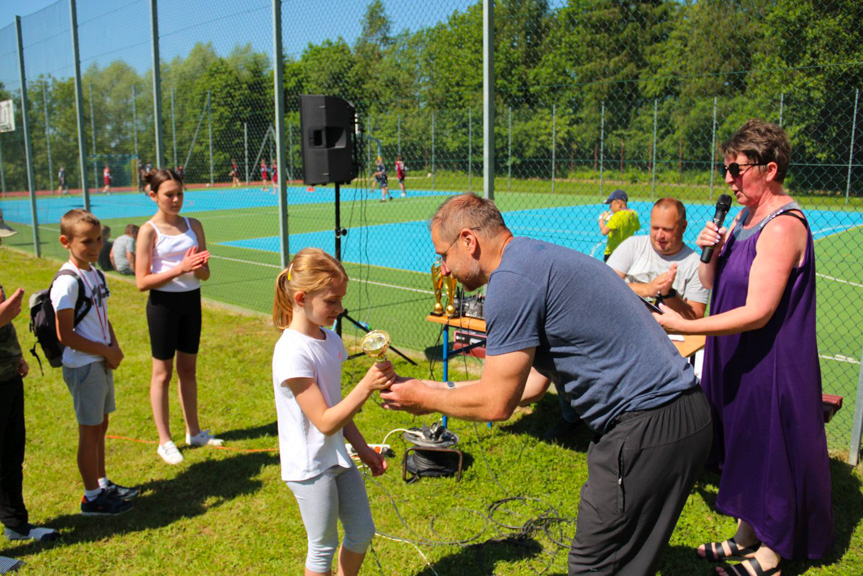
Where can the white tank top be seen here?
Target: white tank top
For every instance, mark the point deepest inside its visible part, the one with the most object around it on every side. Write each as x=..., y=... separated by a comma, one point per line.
x=168, y=252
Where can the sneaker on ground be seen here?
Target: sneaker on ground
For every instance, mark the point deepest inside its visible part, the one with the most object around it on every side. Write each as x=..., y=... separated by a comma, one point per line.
x=104, y=504
x=121, y=492
x=203, y=438
x=169, y=453
x=30, y=532
x=9, y=564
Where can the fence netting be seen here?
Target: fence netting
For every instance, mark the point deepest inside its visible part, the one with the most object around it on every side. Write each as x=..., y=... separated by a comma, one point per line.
x=589, y=97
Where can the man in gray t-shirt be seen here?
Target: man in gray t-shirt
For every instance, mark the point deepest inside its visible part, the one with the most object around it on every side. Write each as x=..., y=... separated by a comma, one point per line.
x=660, y=265
x=556, y=313
x=123, y=251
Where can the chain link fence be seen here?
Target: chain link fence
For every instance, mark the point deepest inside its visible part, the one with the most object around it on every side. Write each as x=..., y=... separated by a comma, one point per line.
x=589, y=97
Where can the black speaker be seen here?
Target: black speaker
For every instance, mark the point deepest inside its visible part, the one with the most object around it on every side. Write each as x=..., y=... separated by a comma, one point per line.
x=327, y=129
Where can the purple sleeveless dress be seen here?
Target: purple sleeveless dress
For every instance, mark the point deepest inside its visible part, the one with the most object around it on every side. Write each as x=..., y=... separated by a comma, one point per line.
x=764, y=388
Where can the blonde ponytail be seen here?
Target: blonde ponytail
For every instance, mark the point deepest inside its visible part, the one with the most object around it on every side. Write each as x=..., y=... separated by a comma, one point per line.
x=311, y=269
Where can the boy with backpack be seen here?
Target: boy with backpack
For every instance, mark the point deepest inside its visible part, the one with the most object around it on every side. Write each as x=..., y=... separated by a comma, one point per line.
x=13, y=369
x=90, y=356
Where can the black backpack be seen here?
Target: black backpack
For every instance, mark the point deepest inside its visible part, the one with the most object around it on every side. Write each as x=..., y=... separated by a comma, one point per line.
x=43, y=322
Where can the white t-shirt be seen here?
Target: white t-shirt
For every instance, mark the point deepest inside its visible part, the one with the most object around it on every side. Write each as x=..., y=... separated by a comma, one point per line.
x=305, y=452
x=123, y=244
x=637, y=259
x=94, y=326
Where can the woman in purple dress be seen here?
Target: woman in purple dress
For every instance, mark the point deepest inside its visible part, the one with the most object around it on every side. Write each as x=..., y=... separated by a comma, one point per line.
x=761, y=371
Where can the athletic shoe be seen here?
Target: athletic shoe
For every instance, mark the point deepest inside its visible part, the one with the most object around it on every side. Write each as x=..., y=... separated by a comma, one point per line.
x=203, y=438
x=30, y=532
x=121, y=492
x=9, y=564
x=104, y=504
x=169, y=453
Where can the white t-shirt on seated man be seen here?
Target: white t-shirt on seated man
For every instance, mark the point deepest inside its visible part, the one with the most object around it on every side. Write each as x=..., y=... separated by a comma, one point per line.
x=661, y=264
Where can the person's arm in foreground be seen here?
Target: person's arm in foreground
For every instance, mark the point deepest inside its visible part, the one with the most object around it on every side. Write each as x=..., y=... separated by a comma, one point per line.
x=491, y=398
x=779, y=250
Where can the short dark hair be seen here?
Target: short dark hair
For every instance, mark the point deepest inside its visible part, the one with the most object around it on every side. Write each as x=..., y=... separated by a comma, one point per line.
x=156, y=178
x=468, y=211
x=762, y=142
x=71, y=219
x=672, y=203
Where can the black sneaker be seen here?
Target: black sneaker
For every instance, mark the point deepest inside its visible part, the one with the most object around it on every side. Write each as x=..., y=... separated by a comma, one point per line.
x=121, y=492
x=104, y=504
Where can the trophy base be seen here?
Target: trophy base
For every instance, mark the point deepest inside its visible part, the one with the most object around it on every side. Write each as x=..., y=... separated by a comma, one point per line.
x=436, y=313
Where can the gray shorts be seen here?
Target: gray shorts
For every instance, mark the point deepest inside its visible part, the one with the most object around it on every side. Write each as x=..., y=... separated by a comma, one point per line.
x=92, y=388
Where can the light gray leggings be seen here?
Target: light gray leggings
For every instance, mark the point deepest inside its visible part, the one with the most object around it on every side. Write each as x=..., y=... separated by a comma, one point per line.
x=337, y=494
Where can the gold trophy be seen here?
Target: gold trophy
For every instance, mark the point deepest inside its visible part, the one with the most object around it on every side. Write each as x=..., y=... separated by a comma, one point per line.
x=437, y=283
x=450, y=293
x=375, y=344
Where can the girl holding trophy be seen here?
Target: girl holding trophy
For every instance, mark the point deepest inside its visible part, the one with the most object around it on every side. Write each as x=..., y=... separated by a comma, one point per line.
x=314, y=420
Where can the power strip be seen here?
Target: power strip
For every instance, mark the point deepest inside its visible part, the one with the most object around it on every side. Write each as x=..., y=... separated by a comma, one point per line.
x=379, y=448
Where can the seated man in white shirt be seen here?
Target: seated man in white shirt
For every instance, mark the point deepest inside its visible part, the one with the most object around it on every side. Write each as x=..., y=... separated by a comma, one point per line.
x=660, y=265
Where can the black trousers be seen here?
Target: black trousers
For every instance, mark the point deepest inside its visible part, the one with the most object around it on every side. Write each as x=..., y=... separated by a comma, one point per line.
x=13, y=513
x=640, y=474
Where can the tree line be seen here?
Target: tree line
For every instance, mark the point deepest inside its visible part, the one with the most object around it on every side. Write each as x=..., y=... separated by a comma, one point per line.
x=591, y=78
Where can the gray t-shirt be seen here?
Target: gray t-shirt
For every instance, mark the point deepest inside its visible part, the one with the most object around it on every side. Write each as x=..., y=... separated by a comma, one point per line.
x=637, y=259
x=123, y=244
x=591, y=332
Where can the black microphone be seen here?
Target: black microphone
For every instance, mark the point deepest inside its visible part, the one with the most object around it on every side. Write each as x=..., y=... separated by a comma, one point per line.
x=723, y=205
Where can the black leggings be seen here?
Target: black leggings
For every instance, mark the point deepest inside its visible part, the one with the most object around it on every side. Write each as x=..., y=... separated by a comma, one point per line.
x=174, y=319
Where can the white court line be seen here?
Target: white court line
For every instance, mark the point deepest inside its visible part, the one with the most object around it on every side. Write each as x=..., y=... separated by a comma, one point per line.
x=277, y=267
x=839, y=280
x=840, y=358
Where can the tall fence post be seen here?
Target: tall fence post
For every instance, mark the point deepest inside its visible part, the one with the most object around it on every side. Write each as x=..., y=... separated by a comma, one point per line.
x=469, y=151
x=48, y=135
x=781, y=108
x=488, y=156
x=93, y=133
x=713, y=150
x=553, y=140
x=433, y=175
x=509, y=152
x=653, y=177
x=25, y=119
x=246, y=149
x=157, y=85
x=79, y=103
x=2, y=174
x=210, y=129
x=135, y=123
x=851, y=152
x=400, y=134
x=291, y=154
x=279, y=104
x=174, y=129
x=601, y=148
x=857, y=427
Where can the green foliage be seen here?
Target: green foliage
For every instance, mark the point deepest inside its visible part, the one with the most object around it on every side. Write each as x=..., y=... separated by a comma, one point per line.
x=227, y=511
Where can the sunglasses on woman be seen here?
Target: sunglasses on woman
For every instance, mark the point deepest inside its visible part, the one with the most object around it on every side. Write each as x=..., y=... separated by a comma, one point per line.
x=734, y=168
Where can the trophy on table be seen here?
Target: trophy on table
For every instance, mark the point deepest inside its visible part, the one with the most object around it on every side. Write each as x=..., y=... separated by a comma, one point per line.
x=437, y=283
x=375, y=344
x=450, y=294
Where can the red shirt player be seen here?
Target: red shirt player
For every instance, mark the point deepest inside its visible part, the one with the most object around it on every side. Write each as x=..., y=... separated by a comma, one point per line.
x=400, y=174
x=106, y=177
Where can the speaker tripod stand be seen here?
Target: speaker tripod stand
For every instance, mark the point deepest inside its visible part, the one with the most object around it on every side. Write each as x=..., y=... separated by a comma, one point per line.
x=344, y=315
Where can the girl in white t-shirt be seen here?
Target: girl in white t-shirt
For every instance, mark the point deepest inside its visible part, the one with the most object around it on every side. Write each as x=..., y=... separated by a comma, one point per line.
x=171, y=262
x=314, y=420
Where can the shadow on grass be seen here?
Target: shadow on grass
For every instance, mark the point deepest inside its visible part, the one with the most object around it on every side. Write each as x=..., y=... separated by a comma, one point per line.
x=545, y=415
x=196, y=490
x=270, y=430
x=846, y=489
x=480, y=559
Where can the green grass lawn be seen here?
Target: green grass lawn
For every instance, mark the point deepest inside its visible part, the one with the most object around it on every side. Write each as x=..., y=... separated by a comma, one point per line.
x=226, y=511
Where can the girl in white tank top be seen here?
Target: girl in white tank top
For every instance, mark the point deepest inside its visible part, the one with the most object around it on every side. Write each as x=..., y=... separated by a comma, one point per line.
x=171, y=262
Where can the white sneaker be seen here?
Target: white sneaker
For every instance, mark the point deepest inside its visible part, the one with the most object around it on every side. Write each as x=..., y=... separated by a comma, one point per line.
x=203, y=438
x=169, y=453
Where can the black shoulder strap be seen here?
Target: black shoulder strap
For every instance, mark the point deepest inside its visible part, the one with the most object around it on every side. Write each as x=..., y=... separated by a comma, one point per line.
x=82, y=303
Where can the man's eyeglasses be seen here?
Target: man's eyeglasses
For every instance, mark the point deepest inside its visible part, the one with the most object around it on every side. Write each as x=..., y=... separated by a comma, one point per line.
x=734, y=168
x=442, y=256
